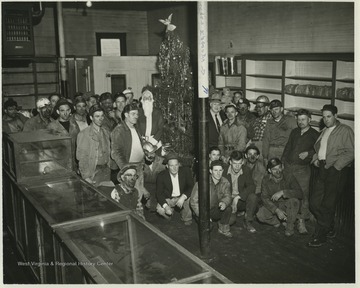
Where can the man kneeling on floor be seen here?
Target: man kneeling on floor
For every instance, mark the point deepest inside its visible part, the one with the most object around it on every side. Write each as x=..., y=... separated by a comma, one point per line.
x=173, y=189
x=220, y=198
x=281, y=195
x=242, y=189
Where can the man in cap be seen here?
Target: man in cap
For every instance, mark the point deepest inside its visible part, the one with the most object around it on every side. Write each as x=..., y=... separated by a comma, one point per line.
x=334, y=151
x=41, y=120
x=281, y=195
x=125, y=192
x=233, y=134
x=173, y=189
x=65, y=125
x=151, y=121
x=129, y=94
x=12, y=120
x=242, y=189
x=126, y=146
x=297, y=156
x=153, y=165
x=54, y=98
x=263, y=115
x=106, y=103
x=93, y=149
x=246, y=117
x=216, y=118
x=220, y=198
x=277, y=131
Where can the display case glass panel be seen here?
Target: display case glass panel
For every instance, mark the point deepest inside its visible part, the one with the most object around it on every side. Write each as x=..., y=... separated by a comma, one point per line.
x=68, y=199
x=125, y=249
x=38, y=154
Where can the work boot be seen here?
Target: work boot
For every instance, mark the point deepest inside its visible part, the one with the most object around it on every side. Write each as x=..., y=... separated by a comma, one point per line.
x=249, y=227
x=224, y=229
x=289, y=231
x=301, y=227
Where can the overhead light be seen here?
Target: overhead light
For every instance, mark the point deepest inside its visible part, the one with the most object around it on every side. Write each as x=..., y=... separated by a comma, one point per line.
x=88, y=4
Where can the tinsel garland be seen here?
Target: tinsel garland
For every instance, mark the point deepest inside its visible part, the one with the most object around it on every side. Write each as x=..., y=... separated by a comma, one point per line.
x=176, y=93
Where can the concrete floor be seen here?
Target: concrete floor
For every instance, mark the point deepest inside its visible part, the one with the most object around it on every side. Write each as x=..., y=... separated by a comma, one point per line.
x=266, y=256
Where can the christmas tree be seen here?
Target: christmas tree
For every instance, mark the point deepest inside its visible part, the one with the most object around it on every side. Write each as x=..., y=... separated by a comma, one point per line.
x=176, y=92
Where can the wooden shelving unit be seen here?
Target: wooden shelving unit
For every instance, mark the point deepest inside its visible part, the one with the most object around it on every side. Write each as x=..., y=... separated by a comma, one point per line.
x=314, y=79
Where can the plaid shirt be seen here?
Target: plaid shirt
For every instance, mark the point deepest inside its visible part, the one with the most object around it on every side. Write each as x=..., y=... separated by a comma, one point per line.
x=259, y=125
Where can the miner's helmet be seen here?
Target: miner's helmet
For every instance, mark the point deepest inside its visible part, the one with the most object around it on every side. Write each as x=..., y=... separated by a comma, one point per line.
x=263, y=99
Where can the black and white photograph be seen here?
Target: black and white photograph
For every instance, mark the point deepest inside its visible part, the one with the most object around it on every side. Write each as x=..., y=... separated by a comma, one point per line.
x=179, y=142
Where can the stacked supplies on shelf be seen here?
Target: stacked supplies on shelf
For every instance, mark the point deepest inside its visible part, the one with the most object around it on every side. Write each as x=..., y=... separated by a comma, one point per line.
x=226, y=66
x=309, y=90
x=346, y=93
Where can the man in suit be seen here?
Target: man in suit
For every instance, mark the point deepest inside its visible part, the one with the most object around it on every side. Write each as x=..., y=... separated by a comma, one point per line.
x=173, y=189
x=216, y=118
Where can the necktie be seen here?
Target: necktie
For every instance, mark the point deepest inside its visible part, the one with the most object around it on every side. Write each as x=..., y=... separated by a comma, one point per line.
x=217, y=122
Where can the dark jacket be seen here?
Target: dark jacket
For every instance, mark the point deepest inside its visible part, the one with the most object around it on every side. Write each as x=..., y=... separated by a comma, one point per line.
x=246, y=184
x=35, y=123
x=213, y=132
x=288, y=184
x=157, y=123
x=121, y=142
x=164, y=186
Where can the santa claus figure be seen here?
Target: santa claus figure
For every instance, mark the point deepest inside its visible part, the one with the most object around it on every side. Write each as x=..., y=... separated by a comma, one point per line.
x=151, y=122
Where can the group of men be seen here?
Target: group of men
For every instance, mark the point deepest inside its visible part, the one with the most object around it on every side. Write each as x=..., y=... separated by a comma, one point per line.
x=259, y=163
x=277, y=151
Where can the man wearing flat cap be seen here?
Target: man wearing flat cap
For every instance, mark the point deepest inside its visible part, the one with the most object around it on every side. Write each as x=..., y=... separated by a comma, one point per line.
x=216, y=118
x=220, y=198
x=173, y=189
x=281, y=195
x=93, y=149
x=153, y=165
x=125, y=192
x=41, y=120
x=277, y=131
x=334, y=151
x=12, y=120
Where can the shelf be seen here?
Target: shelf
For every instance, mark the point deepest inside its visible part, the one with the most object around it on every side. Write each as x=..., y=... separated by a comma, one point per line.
x=309, y=96
x=346, y=80
x=344, y=99
x=313, y=111
x=265, y=76
x=230, y=75
x=324, y=79
x=230, y=87
x=346, y=116
x=263, y=90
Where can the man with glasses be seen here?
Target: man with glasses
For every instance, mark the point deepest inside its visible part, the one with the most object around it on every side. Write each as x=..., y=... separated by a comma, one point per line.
x=173, y=189
x=125, y=192
x=233, y=134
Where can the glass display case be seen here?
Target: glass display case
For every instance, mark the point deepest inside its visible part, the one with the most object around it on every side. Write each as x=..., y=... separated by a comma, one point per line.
x=35, y=154
x=121, y=248
x=41, y=205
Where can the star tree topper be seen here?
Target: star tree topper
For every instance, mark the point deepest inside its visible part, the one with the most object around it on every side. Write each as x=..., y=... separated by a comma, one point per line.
x=167, y=22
